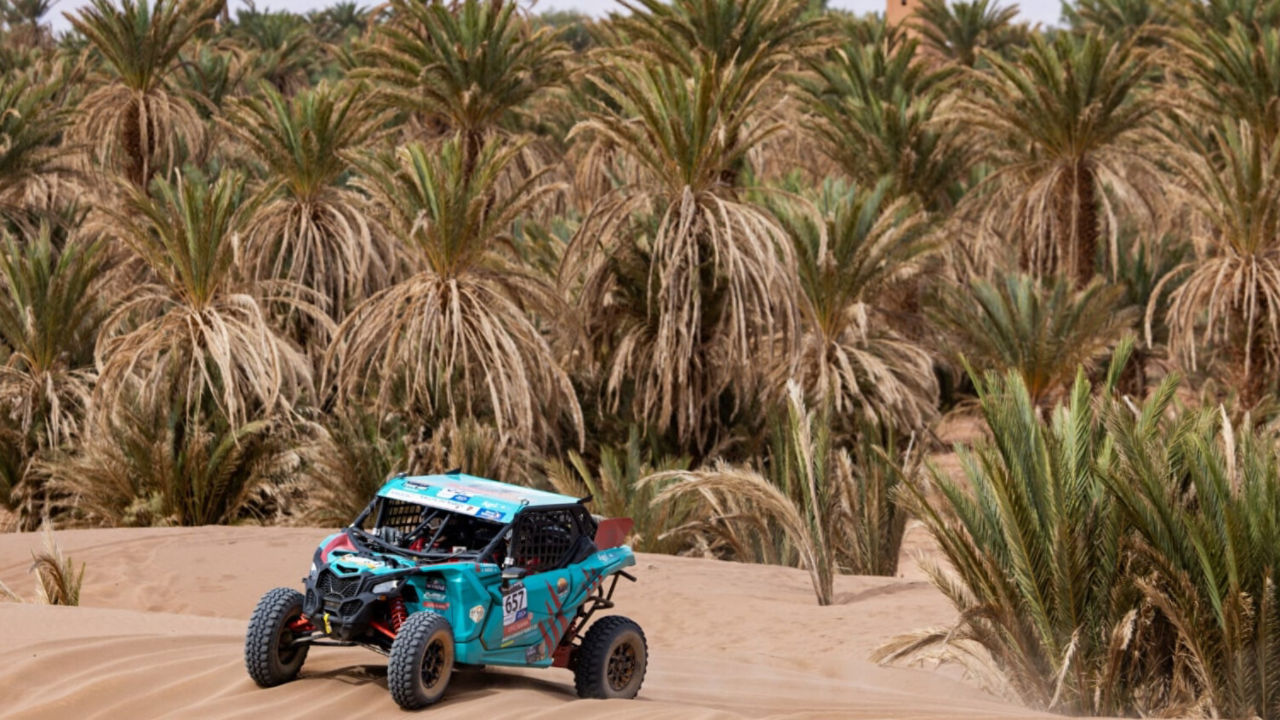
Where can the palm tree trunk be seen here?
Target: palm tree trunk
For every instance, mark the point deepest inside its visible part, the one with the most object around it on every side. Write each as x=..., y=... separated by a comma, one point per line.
x=1084, y=217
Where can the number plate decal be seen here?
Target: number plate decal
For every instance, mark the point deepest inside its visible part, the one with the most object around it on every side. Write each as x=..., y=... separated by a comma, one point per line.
x=515, y=611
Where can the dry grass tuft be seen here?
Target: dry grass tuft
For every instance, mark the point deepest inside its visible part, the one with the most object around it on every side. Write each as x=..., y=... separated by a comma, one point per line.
x=57, y=580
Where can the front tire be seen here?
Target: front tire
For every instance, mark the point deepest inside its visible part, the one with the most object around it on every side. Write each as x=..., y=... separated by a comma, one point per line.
x=269, y=653
x=421, y=661
x=612, y=660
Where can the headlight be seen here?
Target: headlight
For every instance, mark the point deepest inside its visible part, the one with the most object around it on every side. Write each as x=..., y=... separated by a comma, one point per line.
x=313, y=568
x=386, y=587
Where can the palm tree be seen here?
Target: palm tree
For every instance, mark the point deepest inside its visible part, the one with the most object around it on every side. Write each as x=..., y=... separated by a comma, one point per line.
x=750, y=40
x=211, y=74
x=1204, y=502
x=135, y=120
x=192, y=329
x=50, y=309
x=1218, y=15
x=956, y=31
x=23, y=19
x=1230, y=300
x=717, y=275
x=310, y=228
x=1058, y=124
x=1236, y=74
x=33, y=117
x=1120, y=19
x=468, y=68
x=456, y=337
x=758, y=36
x=875, y=110
x=1036, y=564
x=1040, y=329
x=849, y=256
x=280, y=45
x=340, y=22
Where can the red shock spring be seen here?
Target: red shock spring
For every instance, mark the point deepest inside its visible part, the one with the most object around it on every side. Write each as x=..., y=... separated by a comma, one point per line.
x=398, y=613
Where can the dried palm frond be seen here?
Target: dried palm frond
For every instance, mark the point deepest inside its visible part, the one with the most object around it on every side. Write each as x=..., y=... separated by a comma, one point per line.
x=57, y=582
x=346, y=461
x=190, y=330
x=477, y=449
x=456, y=337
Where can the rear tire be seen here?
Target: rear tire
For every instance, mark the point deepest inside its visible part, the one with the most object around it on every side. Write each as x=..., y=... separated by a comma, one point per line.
x=421, y=663
x=269, y=653
x=612, y=659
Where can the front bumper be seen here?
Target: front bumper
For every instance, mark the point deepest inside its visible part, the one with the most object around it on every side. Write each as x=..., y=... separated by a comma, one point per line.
x=341, y=606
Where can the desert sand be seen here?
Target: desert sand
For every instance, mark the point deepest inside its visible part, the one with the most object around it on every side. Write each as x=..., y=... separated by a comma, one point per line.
x=160, y=633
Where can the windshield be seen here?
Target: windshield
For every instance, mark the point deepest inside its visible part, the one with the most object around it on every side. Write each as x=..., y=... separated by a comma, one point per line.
x=400, y=526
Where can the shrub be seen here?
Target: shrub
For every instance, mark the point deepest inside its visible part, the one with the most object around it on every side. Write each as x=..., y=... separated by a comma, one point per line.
x=1036, y=563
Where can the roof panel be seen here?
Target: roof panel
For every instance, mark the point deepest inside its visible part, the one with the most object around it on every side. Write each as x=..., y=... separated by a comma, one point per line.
x=470, y=495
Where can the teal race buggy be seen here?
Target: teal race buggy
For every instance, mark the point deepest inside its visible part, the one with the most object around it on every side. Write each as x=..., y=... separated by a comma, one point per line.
x=445, y=571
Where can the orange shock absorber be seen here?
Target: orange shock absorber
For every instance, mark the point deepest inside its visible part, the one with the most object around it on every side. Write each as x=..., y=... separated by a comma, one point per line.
x=398, y=613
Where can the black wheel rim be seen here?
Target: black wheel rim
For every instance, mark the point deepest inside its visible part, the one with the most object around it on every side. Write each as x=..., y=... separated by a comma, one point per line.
x=433, y=661
x=622, y=665
x=286, y=651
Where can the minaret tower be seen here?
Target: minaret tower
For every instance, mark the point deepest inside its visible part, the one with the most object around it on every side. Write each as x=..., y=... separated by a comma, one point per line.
x=897, y=11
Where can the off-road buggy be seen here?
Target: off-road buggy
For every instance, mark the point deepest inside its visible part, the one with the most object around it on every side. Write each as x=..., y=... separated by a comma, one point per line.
x=445, y=571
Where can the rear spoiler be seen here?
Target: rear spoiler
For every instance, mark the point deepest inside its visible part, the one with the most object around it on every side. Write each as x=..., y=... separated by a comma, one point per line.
x=611, y=532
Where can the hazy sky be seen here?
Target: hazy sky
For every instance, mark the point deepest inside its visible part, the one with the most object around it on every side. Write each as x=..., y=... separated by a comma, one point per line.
x=1042, y=11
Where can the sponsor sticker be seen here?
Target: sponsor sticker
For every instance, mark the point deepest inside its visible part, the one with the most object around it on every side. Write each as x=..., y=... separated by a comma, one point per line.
x=440, y=607
x=435, y=502
x=562, y=586
x=454, y=495
x=533, y=654
x=364, y=562
x=476, y=614
x=485, y=514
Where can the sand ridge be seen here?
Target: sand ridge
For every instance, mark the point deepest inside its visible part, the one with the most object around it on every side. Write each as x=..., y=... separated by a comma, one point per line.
x=160, y=634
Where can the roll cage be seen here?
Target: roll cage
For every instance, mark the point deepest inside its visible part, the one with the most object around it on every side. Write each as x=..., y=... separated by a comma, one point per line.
x=538, y=538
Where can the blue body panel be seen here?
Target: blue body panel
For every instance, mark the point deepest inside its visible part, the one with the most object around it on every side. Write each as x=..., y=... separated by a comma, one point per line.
x=520, y=624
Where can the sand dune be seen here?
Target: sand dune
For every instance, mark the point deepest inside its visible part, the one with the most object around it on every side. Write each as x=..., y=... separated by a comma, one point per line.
x=161, y=631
